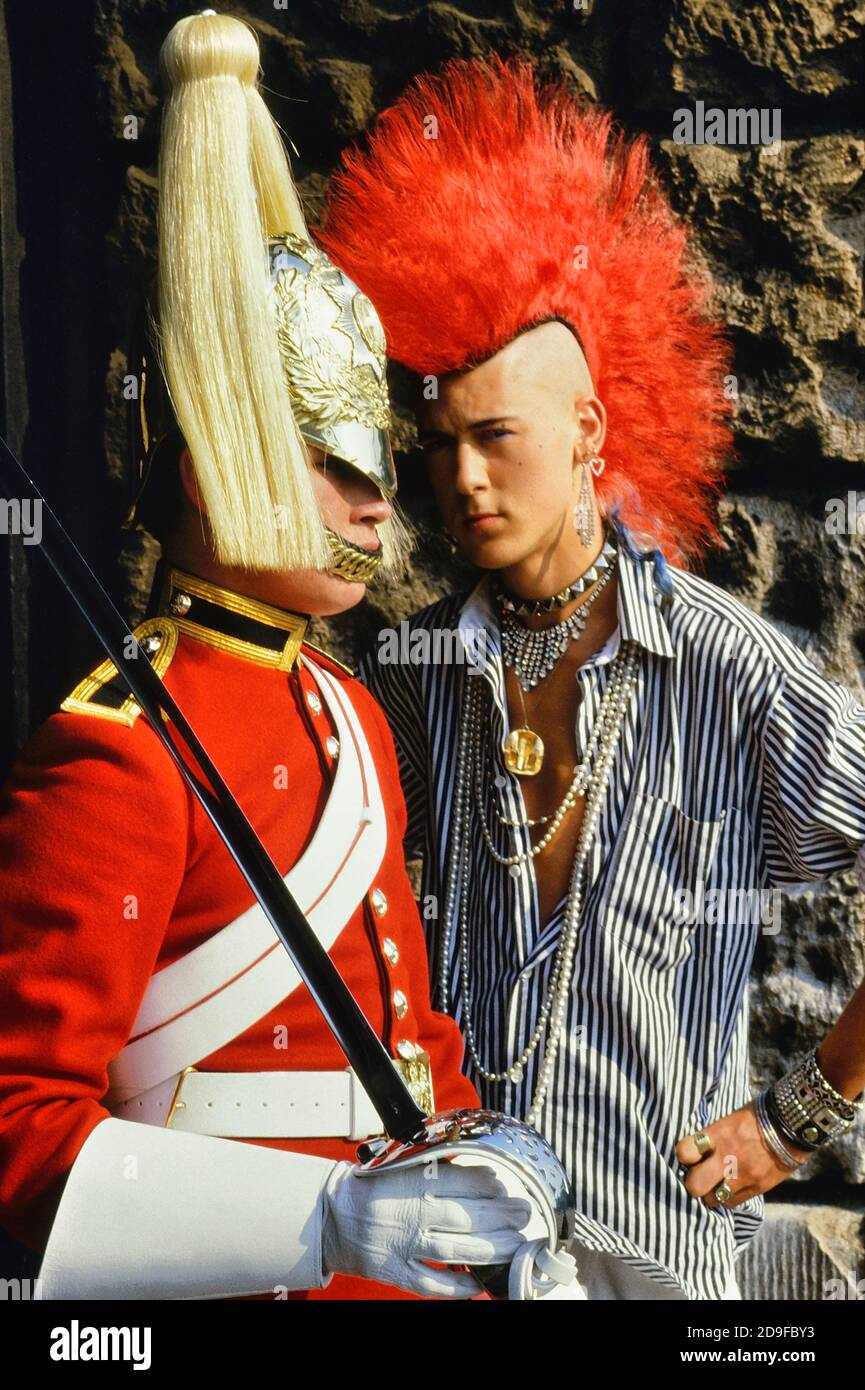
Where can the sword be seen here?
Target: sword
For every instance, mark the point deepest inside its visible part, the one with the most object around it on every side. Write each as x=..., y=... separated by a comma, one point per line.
x=396, y=1107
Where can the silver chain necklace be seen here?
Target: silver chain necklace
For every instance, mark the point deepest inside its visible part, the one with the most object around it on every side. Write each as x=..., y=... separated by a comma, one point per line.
x=622, y=678
x=533, y=653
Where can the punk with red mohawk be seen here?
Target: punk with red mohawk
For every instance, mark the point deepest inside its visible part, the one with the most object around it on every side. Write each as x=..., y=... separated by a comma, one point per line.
x=485, y=203
x=609, y=762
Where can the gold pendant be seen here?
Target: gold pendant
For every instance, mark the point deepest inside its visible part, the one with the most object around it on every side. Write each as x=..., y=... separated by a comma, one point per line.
x=524, y=752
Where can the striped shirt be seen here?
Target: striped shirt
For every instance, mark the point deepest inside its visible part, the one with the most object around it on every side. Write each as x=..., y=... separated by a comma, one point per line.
x=740, y=769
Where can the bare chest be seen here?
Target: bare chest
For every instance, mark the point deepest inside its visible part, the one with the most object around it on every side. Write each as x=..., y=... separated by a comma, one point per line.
x=552, y=714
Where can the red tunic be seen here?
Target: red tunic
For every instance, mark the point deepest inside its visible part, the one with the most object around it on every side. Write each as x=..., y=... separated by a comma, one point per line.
x=110, y=870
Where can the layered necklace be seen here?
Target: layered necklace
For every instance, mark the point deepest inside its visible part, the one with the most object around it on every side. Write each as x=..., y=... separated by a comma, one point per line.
x=533, y=653
x=590, y=780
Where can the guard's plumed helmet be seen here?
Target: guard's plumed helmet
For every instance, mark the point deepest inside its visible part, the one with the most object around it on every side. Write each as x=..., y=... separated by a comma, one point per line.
x=252, y=341
x=485, y=203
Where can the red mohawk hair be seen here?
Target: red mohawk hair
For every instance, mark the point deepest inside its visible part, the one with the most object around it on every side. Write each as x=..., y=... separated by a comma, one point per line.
x=484, y=204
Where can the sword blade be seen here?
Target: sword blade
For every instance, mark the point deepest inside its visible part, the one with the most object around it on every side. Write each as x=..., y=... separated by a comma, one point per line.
x=400, y=1115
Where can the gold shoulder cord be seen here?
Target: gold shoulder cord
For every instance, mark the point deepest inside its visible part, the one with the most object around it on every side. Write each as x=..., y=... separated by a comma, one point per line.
x=158, y=638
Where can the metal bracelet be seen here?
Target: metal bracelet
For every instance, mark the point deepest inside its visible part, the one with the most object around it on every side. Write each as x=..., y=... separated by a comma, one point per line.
x=847, y=1109
x=807, y=1109
x=771, y=1136
x=783, y=1120
x=789, y=1115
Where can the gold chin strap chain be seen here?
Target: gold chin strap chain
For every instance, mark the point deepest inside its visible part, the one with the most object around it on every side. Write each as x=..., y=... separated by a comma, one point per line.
x=351, y=562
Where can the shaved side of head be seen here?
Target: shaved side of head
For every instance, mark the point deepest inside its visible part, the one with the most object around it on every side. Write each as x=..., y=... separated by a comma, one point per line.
x=544, y=367
x=551, y=358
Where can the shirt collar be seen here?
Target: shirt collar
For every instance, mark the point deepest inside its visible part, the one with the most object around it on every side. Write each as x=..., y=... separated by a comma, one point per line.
x=640, y=604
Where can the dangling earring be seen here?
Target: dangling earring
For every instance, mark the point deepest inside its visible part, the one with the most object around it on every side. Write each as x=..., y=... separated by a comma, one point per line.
x=583, y=515
x=597, y=465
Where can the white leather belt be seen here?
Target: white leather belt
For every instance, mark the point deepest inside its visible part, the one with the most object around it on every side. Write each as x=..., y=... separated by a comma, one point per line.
x=258, y=1105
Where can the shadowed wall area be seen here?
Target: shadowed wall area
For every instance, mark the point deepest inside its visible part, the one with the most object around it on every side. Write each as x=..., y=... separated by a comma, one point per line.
x=780, y=225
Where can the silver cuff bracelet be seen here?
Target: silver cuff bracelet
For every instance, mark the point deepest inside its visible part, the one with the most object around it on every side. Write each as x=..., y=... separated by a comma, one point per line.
x=811, y=1112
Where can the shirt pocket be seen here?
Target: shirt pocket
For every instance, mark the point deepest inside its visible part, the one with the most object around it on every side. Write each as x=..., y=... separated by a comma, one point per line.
x=662, y=862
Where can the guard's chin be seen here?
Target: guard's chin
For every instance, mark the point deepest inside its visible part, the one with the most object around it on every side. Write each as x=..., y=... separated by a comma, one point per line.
x=337, y=596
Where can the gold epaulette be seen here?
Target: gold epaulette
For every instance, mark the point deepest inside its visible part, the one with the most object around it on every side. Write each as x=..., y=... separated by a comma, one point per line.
x=157, y=638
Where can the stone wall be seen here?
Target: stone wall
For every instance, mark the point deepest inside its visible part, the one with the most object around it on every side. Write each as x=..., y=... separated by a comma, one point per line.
x=781, y=228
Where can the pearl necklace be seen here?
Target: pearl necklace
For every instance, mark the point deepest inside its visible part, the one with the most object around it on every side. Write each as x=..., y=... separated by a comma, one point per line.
x=586, y=773
x=555, y=1004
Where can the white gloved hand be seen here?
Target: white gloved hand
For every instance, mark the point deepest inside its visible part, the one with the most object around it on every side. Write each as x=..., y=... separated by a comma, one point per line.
x=383, y=1226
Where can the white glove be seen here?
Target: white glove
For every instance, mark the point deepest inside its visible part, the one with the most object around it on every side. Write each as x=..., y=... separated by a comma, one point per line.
x=384, y=1225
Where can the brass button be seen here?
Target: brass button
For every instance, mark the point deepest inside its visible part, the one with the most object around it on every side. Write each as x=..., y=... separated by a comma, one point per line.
x=332, y=745
x=407, y=1050
x=811, y=1134
x=180, y=604
x=151, y=644
x=313, y=701
x=390, y=950
x=400, y=1003
x=379, y=902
